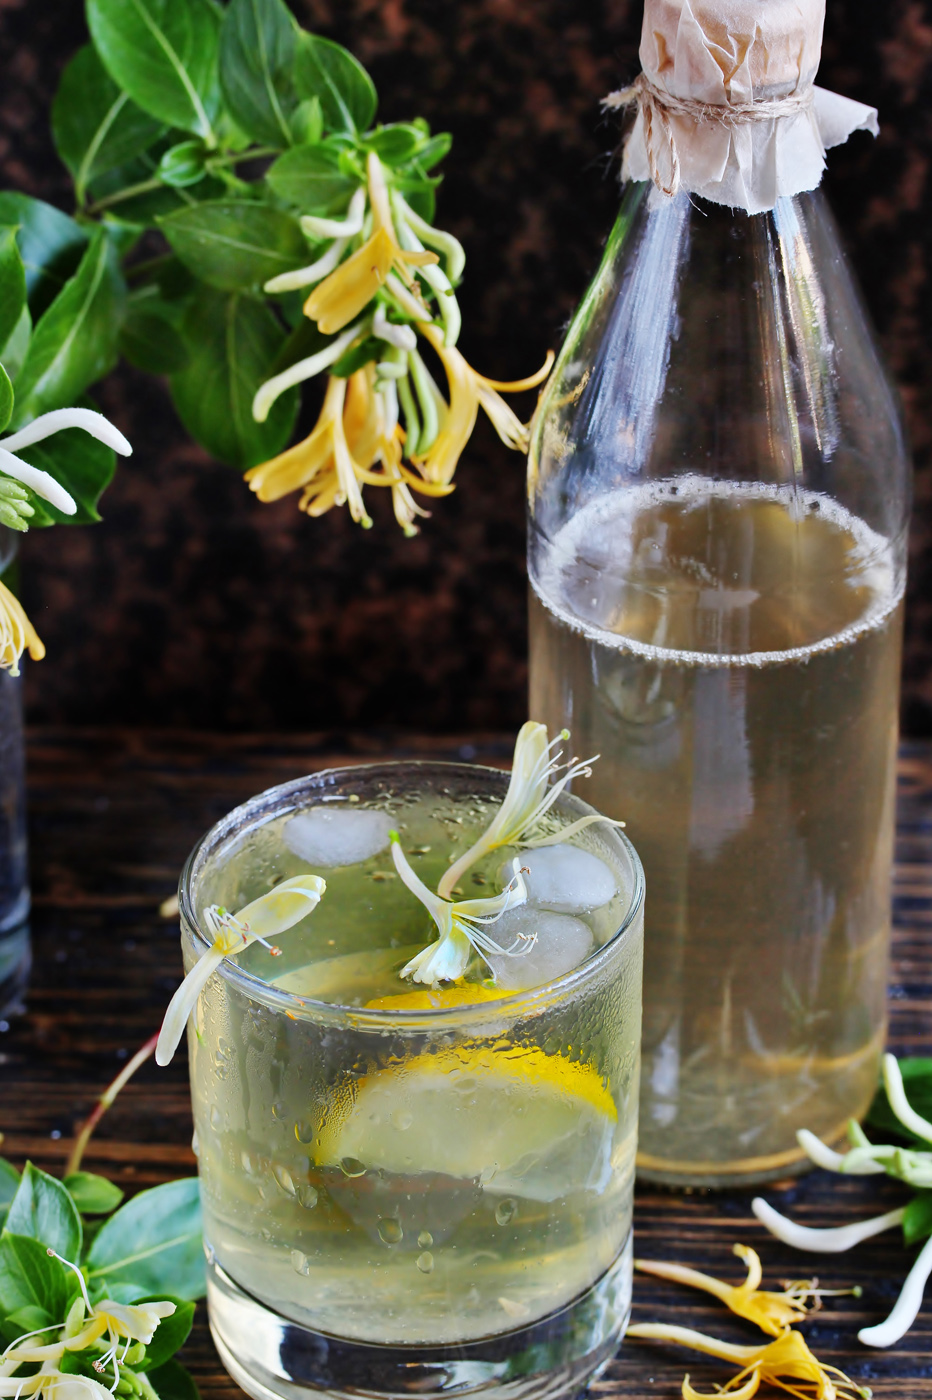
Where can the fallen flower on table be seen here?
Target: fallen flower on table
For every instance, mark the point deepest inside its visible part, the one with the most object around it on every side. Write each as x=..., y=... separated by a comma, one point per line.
x=911, y=1164
x=786, y=1363
x=772, y=1312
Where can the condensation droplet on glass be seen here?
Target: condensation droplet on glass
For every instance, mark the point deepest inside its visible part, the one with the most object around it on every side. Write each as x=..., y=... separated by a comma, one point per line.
x=209, y=1254
x=402, y=1121
x=216, y=1118
x=308, y=1196
x=390, y=1231
x=195, y=1145
x=279, y=1111
x=266, y=1234
x=487, y=1173
x=425, y=1262
x=283, y=1178
x=506, y=1211
x=247, y=1162
x=425, y=1239
x=350, y=1166
x=300, y=1263
x=304, y=1133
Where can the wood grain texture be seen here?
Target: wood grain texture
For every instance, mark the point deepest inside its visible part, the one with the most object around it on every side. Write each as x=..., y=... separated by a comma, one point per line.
x=113, y=817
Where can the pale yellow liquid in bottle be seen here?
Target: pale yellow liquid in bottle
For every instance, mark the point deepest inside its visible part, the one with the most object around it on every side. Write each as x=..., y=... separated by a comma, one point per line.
x=733, y=654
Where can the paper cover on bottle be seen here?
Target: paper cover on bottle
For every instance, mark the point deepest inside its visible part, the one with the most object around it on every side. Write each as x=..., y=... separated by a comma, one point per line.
x=729, y=53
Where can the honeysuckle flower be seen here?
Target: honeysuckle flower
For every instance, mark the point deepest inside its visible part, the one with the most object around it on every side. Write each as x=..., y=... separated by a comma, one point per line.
x=772, y=1312
x=17, y=633
x=866, y=1158
x=530, y=797
x=786, y=1363
x=270, y=914
x=461, y=926
x=53, y=1385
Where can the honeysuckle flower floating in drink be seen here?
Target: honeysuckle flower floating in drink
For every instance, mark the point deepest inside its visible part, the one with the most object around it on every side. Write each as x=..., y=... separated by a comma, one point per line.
x=912, y=1165
x=271, y=914
x=773, y=1313
x=87, y=1324
x=376, y=289
x=17, y=480
x=786, y=1363
x=530, y=796
x=461, y=926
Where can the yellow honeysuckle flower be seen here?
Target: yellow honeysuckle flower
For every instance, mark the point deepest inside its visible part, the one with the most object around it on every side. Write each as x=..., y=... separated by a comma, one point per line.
x=17, y=633
x=773, y=1313
x=332, y=464
x=786, y=1363
x=342, y=296
x=529, y=798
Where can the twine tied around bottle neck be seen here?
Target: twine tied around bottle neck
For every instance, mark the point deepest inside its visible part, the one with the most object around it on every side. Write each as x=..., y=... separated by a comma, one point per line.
x=656, y=106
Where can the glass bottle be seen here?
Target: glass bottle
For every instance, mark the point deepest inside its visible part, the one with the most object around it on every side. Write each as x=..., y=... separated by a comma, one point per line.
x=718, y=497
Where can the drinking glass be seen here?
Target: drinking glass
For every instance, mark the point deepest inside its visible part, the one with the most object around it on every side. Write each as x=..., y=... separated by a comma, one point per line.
x=406, y=1198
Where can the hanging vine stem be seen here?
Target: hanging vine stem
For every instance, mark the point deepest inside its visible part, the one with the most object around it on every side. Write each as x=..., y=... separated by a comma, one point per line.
x=104, y=1102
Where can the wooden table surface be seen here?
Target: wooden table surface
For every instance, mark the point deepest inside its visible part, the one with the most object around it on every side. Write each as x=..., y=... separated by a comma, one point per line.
x=112, y=817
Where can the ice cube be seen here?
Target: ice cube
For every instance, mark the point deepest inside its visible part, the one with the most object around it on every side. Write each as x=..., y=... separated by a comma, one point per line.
x=337, y=835
x=565, y=878
x=561, y=944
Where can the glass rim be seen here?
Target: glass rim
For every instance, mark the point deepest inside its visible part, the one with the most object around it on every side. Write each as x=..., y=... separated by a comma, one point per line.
x=512, y=1005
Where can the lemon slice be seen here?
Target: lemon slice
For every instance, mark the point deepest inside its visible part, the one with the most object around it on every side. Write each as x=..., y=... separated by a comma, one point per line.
x=437, y=998
x=512, y=1118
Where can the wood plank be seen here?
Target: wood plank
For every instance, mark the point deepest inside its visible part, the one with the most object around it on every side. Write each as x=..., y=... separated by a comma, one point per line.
x=113, y=816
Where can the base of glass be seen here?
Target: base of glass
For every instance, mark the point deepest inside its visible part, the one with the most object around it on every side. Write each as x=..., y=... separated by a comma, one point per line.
x=738, y=1174
x=273, y=1358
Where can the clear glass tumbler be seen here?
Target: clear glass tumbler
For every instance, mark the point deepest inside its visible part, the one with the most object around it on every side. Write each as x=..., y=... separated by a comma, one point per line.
x=400, y=1200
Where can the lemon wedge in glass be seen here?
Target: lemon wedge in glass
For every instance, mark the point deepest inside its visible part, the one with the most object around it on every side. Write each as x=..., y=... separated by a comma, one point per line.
x=514, y=1119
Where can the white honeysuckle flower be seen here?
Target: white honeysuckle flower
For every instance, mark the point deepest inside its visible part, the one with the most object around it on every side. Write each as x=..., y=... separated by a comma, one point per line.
x=317, y=227
x=53, y=1385
x=451, y=248
x=851, y=1163
x=461, y=926
x=896, y=1094
x=268, y=392
x=835, y=1240
x=307, y=276
x=403, y=337
x=433, y=275
x=44, y=426
x=528, y=800
x=283, y=907
x=906, y=1308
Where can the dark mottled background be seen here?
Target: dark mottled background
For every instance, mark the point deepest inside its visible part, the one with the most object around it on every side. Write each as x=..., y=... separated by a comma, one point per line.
x=192, y=605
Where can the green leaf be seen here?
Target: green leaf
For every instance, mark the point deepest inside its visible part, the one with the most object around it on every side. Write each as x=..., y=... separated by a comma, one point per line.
x=232, y=343
x=432, y=151
x=173, y=1382
x=50, y=244
x=31, y=1278
x=312, y=179
x=75, y=341
x=235, y=244
x=43, y=1210
x=184, y=164
x=96, y=127
x=6, y=399
x=9, y=1181
x=397, y=143
x=917, y=1222
x=258, y=39
x=326, y=70
x=16, y=348
x=917, y=1081
x=81, y=464
x=92, y=1194
x=307, y=122
x=12, y=284
x=170, y=1335
x=150, y=341
x=153, y=1242
x=163, y=54
x=357, y=356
